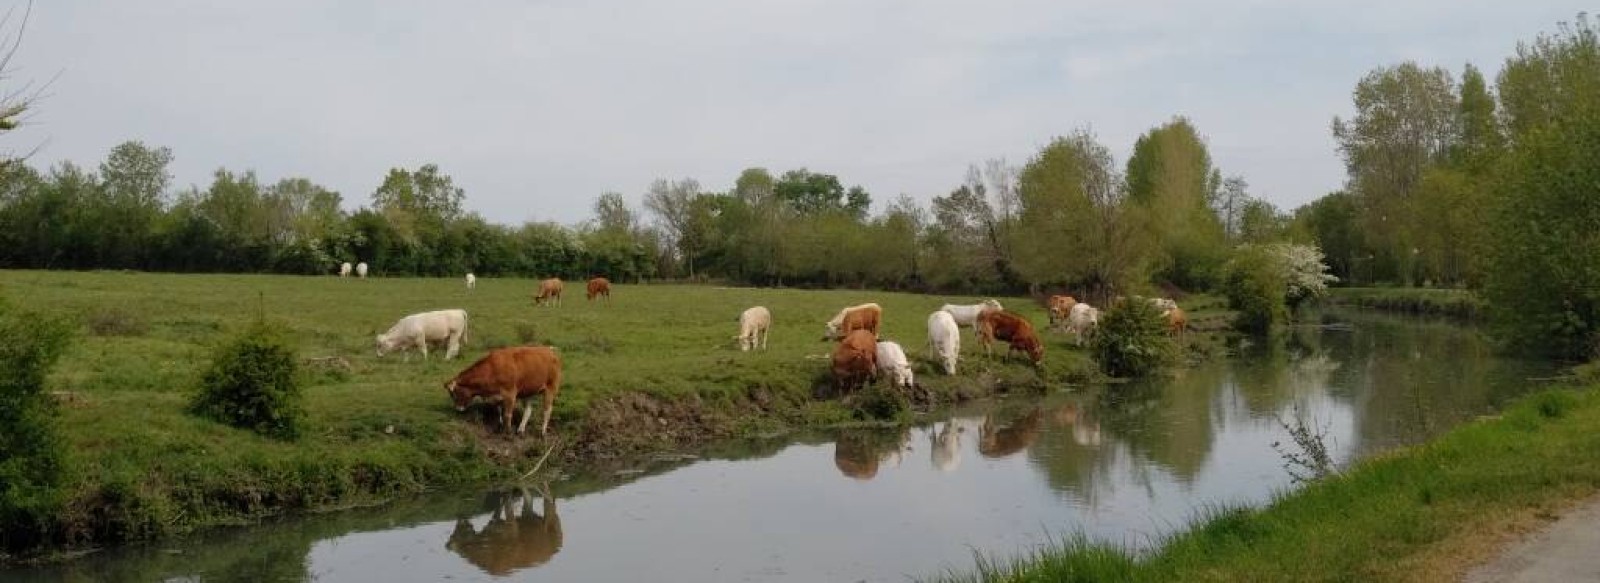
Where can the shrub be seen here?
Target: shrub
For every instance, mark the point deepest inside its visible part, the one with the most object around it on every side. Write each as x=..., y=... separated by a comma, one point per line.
x=115, y=322
x=251, y=384
x=1132, y=340
x=31, y=450
x=879, y=402
x=1255, y=286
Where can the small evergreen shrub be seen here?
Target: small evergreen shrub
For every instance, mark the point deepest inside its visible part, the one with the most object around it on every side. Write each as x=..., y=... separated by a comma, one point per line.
x=1132, y=340
x=251, y=384
x=32, y=452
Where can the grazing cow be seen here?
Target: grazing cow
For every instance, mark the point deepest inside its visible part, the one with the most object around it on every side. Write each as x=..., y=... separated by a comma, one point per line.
x=753, y=326
x=1164, y=304
x=1060, y=307
x=512, y=540
x=862, y=317
x=944, y=446
x=472, y=280
x=1177, y=321
x=361, y=270
x=1083, y=320
x=996, y=442
x=967, y=315
x=549, y=291
x=599, y=287
x=344, y=269
x=855, y=360
x=892, y=362
x=944, y=339
x=418, y=330
x=1013, y=329
x=507, y=374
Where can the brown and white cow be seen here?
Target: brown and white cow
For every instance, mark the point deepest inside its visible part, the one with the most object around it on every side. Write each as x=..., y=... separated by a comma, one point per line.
x=549, y=291
x=855, y=360
x=507, y=374
x=599, y=287
x=863, y=317
x=1011, y=328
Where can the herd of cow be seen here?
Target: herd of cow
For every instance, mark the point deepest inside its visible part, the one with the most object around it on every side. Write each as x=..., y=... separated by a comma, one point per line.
x=507, y=374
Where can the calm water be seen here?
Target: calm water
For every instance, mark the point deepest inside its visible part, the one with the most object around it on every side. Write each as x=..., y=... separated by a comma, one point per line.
x=1124, y=463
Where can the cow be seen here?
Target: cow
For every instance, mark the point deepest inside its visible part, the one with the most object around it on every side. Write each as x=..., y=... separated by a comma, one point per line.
x=418, y=330
x=944, y=339
x=1013, y=329
x=598, y=287
x=892, y=362
x=1164, y=304
x=512, y=540
x=361, y=270
x=862, y=317
x=967, y=315
x=507, y=374
x=855, y=360
x=472, y=280
x=996, y=442
x=1177, y=321
x=1060, y=307
x=753, y=326
x=549, y=291
x=1083, y=320
x=344, y=269
x=944, y=446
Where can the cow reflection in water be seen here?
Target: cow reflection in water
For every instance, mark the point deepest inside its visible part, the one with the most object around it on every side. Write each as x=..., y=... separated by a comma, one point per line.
x=944, y=445
x=514, y=539
x=1085, y=430
x=998, y=442
x=857, y=453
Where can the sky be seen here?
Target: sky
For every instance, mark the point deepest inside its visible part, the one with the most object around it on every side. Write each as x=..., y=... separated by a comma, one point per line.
x=536, y=107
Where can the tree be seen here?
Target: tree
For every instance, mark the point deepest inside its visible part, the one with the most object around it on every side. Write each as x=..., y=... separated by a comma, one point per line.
x=418, y=203
x=810, y=193
x=1171, y=178
x=1073, y=226
x=1229, y=205
x=755, y=186
x=674, y=204
x=1332, y=223
x=1481, y=141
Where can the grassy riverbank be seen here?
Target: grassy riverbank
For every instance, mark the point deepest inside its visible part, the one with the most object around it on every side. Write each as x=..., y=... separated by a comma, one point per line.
x=655, y=369
x=1455, y=303
x=1425, y=513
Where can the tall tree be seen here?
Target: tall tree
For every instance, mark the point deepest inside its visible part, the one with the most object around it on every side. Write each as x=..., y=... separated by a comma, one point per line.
x=1073, y=226
x=675, y=206
x=1171, y=178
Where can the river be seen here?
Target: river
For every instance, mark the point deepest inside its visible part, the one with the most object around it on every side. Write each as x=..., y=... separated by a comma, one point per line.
x=1123, y=463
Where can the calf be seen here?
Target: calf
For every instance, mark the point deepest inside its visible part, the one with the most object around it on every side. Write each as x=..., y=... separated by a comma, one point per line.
x=472, y=280
x=1013, y=329
x=599, y=287
x=863, y=317
x=344, y=269
x=944, y=339
x=855, y=360
x=418, y=330
x=507, y=374
x=1083, y=320
x=361, y=270
x=549, y=291
x=753, y=325
x=892, y=361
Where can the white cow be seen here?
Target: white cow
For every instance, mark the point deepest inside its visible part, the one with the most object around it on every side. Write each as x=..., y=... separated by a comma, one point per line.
x=417, y=330
x=1083, y=319
x=893, y=364
x=967, y=315
x=1164, y=304
x=944, y=446
x=344, y=269
x=753, y=326
x=361, y=270
x=944, y=339
x=472, y=280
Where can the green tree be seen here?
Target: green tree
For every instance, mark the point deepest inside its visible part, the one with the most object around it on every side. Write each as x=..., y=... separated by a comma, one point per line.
x=32, y=453
x=1074, y=226
x=1171, y=178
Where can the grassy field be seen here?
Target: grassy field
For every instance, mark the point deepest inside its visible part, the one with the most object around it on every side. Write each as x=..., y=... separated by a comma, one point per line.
x=1422, y=514
x=1455, y=303
x=656, y=368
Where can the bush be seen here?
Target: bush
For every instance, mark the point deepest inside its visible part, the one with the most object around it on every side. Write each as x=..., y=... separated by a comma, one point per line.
x=1132, y=340
x=31, y=450
x=251, y=384
x=1255, y=286
x=879, y=402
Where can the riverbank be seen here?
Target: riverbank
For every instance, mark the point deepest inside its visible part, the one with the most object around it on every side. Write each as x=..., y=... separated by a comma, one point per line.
x=1454, y=303
x=654, y=370
x=1426, y=513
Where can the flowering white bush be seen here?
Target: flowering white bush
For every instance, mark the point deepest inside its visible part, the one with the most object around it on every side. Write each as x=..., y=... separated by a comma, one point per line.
x=1307, y=276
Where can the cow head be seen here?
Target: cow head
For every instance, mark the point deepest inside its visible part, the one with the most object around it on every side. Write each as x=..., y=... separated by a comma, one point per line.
x=459, y=395
x=832, y=332
x=992, y=304
x=383, y=345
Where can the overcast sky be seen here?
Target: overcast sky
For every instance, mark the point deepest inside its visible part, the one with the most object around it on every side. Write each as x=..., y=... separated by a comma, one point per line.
x=537, y=107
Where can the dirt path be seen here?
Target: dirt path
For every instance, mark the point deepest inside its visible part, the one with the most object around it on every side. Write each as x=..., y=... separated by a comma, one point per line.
x=1566, y=550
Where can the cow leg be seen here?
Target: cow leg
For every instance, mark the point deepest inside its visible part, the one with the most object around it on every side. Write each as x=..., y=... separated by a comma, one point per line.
x=527, y=411
x=508, y=411
x=454, y=347
x=422, y=343
x=549, y=404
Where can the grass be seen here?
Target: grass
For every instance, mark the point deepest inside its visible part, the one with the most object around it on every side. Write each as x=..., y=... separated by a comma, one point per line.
x=1455, y=303
x=1421, y=514
x=656, y=368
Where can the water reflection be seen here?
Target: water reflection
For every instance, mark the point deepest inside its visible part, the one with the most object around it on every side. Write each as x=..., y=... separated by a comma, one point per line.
x=858, y=452
x=515, y=537
x=998, y=439
x=944, y=446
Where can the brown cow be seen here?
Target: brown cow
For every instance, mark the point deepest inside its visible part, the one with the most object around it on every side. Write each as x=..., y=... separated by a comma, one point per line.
x=510, y=542
x=1177, y=321
x=1060, y=307
x=549, y=290
x=506, y=374
x=997, y=442
x=855, y=360
x=1015, y=330
x=599, y=286
x=862, y=317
